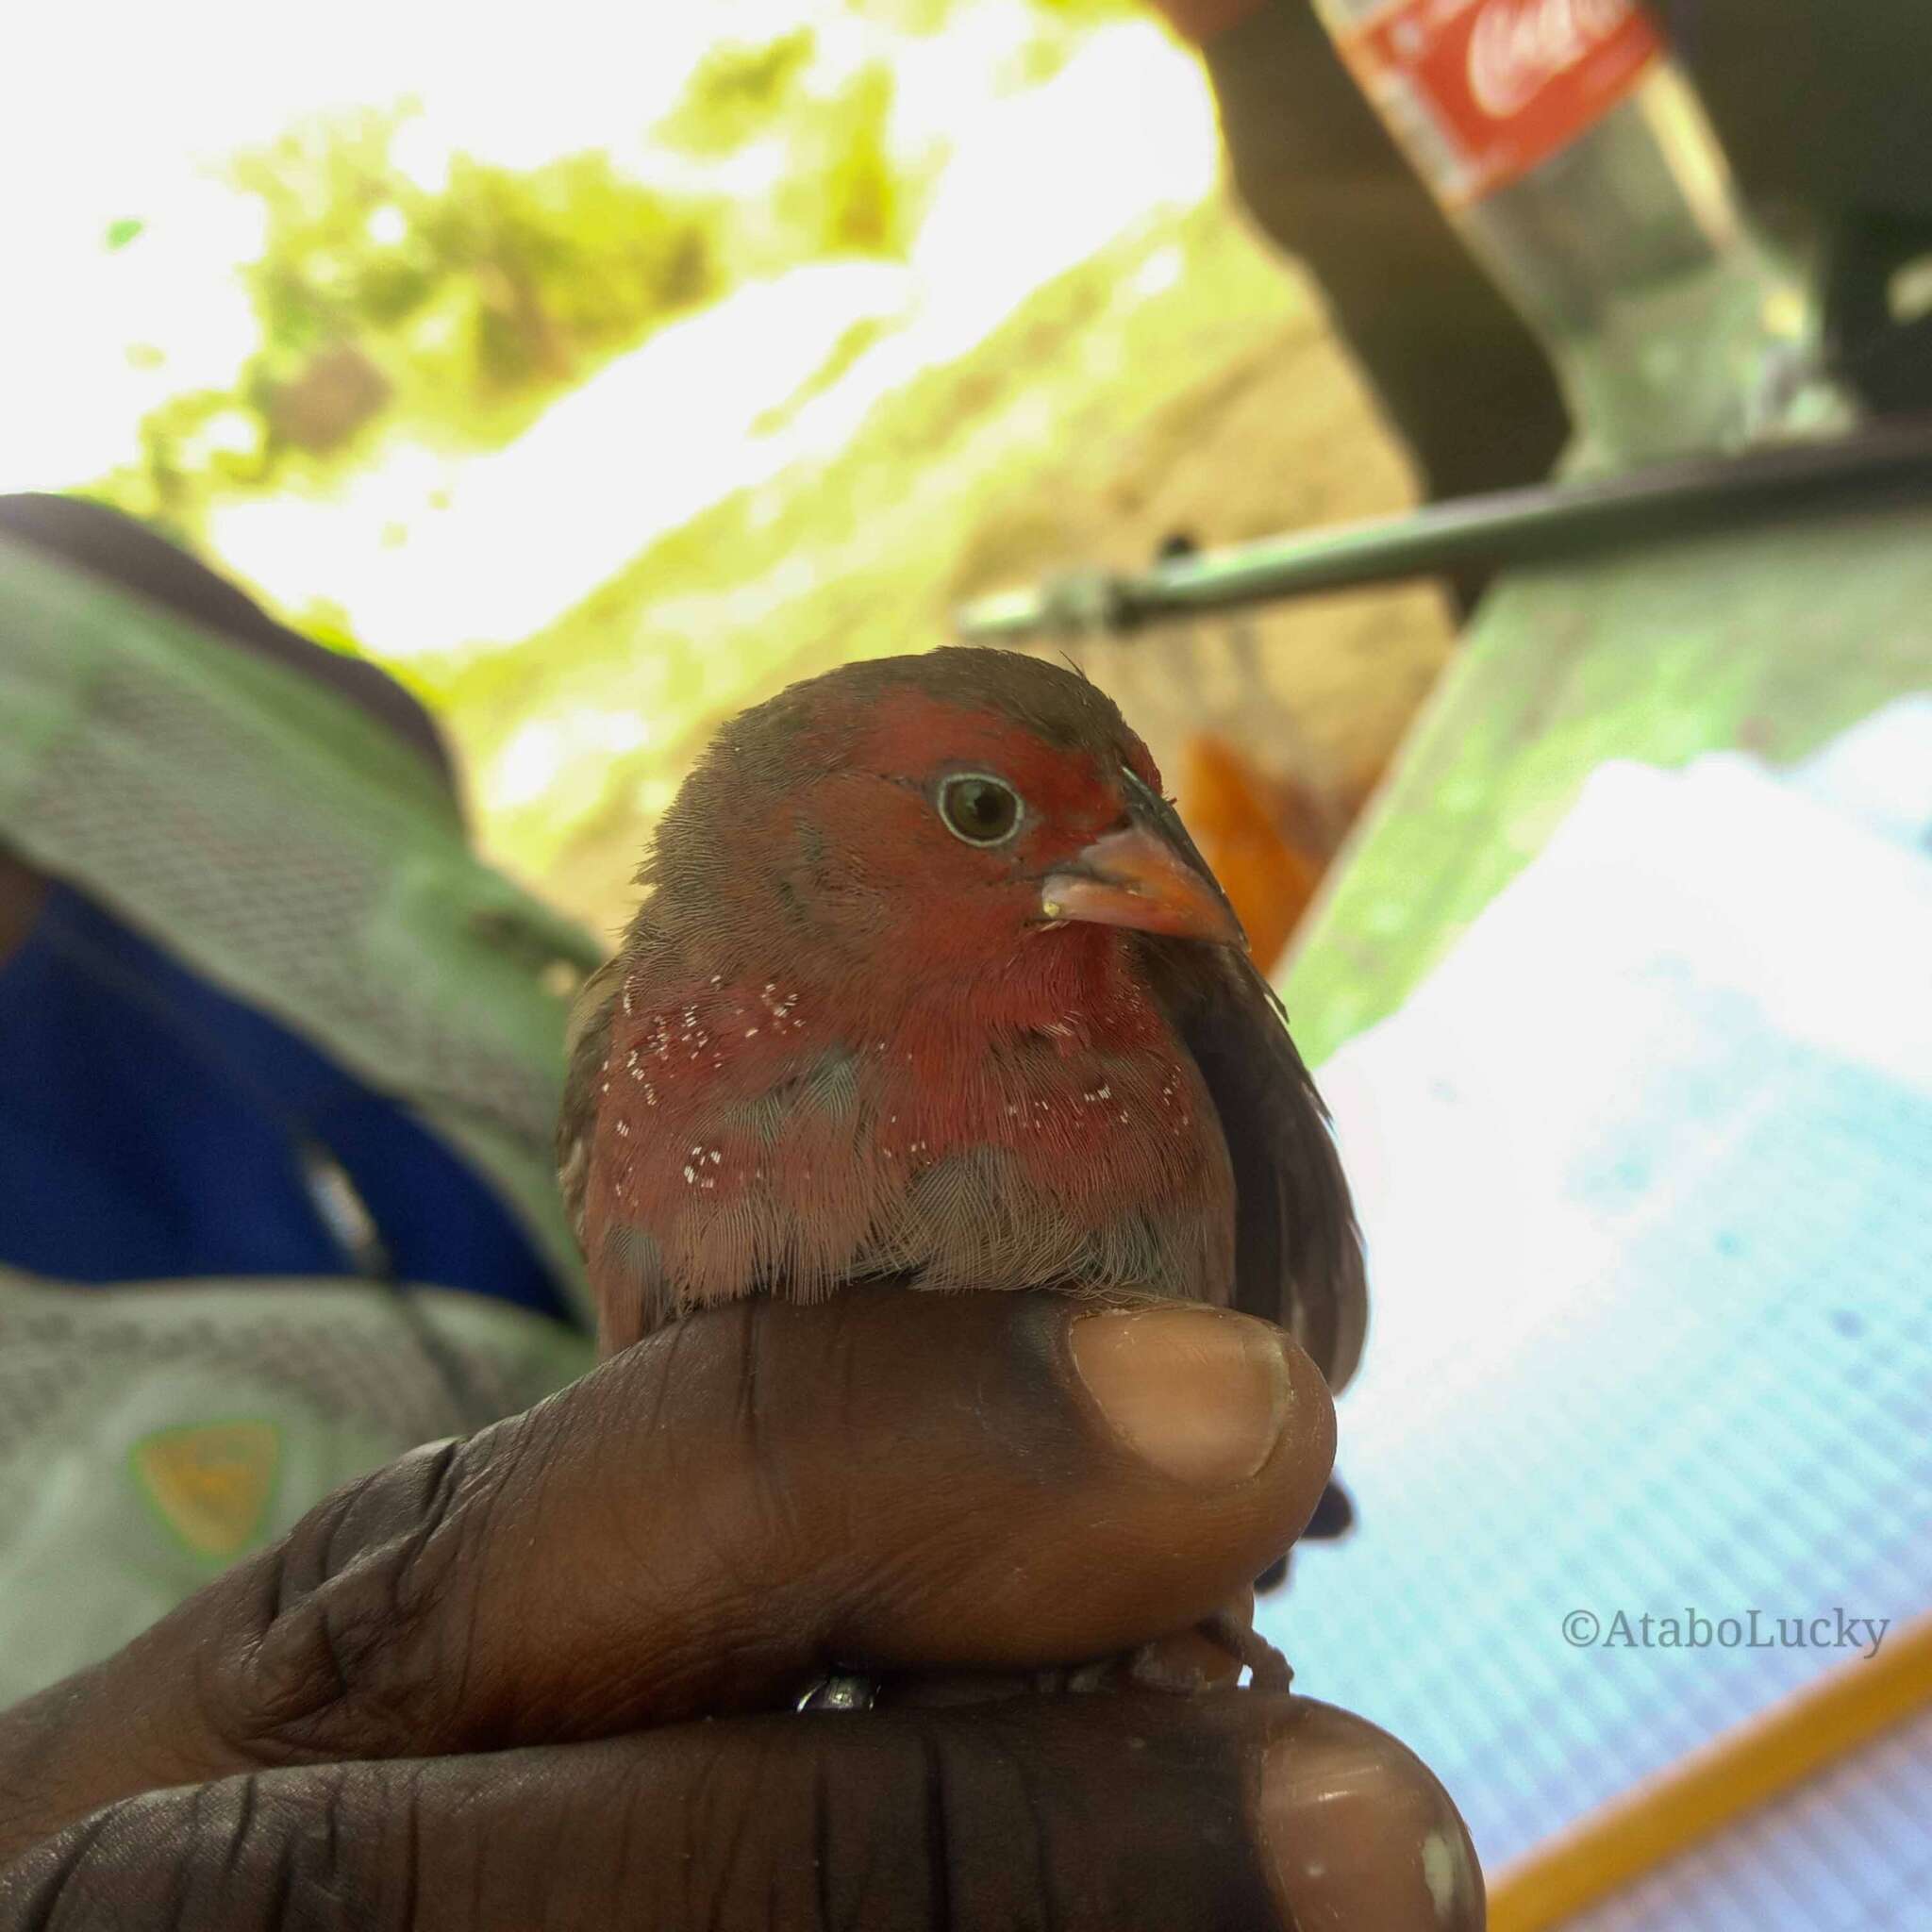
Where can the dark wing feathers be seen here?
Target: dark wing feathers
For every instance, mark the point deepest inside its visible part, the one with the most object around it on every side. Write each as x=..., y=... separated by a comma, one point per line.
x=1298, y=1251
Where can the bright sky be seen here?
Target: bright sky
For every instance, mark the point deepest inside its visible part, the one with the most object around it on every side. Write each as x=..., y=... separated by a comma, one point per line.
x=423, y=551
x=112, y=110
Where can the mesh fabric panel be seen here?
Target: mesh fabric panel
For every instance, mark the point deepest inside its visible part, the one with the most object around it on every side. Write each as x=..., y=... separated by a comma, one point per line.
x=273, y=837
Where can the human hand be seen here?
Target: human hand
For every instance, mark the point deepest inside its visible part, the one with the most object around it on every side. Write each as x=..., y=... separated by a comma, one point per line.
x=542, y=1676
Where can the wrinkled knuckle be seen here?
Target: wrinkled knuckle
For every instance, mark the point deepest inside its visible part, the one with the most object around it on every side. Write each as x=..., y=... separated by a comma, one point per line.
x=85, y=1875
x=835, y=1825
x=1027, y=1813
x=358, y=1647
x=817, y=1827
x=169, y=1861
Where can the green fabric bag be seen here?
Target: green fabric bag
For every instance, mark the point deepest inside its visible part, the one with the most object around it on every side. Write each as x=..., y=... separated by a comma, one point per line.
x=260, y=828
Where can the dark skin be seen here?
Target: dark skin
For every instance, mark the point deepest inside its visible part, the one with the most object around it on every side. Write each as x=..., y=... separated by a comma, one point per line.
x=22, y=889
x=543, y=1677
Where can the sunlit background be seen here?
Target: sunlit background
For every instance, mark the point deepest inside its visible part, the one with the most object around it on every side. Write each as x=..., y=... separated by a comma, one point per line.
x=601, y=369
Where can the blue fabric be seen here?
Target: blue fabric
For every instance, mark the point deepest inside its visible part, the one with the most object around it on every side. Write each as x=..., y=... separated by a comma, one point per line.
x=149, y=1124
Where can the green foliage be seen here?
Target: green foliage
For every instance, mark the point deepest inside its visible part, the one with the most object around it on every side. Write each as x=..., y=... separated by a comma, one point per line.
x=455, y=309
x=736, y=92
x=866, y=210
x=918, y=17
x=459, y=307
x=492, y=280
x=840, y=190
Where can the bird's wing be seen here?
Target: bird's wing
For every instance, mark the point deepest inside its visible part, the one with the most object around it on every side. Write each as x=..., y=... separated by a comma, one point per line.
x=1298, y=1251
x=586, y=1033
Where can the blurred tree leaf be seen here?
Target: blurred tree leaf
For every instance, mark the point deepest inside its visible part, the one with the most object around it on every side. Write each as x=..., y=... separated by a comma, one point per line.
x=865, y=211
x=459, y=307
x=119, y=234
x=737, y=92
x=454, y=303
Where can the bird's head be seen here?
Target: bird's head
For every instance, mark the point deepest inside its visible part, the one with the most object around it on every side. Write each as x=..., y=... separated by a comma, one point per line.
x=967, y=811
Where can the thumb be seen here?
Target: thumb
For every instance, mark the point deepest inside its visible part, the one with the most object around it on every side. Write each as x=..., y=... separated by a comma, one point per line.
x=889, y=1480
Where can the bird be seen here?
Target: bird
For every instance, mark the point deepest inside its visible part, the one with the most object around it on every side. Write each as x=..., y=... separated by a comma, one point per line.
x=929, y=986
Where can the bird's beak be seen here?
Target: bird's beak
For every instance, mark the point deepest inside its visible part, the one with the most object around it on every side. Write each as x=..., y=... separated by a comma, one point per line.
x=1141, y=879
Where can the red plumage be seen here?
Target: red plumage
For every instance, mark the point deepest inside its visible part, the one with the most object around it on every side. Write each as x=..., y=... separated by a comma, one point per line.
x=843, y=1039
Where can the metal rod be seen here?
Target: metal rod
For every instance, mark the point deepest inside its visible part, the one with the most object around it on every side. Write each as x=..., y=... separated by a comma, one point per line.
x=1545, y=524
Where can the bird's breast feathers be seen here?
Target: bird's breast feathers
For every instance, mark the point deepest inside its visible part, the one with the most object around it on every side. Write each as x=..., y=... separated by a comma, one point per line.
x=744, y=1140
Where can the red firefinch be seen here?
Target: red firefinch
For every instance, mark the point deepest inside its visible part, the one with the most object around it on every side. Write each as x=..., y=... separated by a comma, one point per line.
x=930, y=986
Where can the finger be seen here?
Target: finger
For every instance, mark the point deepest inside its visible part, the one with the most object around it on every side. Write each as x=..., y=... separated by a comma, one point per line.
x=885, y=1481
x=1120, y=1813
x=1210, y=1656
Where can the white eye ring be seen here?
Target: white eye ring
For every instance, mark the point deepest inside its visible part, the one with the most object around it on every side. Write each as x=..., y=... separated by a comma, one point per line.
x=962, y=799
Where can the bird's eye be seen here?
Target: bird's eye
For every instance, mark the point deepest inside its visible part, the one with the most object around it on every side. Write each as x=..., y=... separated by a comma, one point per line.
x=981, y=810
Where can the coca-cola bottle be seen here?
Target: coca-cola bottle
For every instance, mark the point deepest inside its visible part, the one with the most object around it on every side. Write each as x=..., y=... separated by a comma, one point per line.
x=1576, y=162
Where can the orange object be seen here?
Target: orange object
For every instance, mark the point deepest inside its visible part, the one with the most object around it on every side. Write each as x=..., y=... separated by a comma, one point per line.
x=1268, y=840
x=1750, y=1765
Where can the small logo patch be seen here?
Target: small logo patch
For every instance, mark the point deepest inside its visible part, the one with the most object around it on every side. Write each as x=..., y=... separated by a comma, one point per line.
x=209, y=1482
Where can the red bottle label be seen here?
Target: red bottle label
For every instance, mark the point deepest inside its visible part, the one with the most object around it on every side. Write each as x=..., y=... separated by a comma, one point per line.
x=1479, y=91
